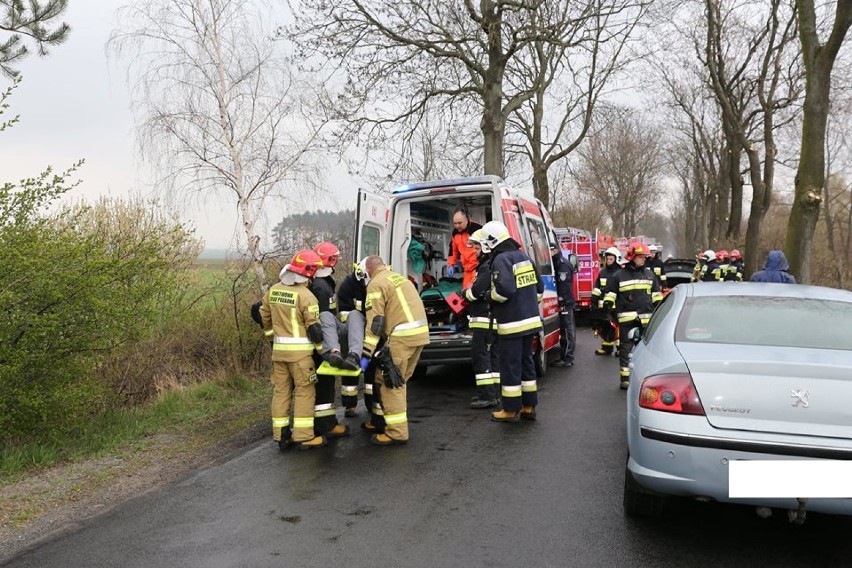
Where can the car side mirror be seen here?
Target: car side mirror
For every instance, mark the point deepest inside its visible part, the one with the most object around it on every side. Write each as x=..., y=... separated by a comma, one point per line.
x=635, y=334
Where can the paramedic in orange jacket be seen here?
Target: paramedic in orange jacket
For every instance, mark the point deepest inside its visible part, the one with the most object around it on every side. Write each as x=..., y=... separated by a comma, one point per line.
x=460, y=250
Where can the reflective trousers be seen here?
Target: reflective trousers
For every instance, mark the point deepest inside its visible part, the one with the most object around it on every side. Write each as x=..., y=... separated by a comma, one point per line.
x=486, y=363
x=325, y=411
x=518, y=386
x=352, y=341
x=390, y=406
x=292, y=384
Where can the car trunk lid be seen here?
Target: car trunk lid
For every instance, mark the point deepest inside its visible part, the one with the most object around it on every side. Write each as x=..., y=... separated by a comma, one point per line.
x=774, y=390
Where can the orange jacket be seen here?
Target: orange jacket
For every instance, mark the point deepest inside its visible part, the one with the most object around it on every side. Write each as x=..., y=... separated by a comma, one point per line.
x=460, y=249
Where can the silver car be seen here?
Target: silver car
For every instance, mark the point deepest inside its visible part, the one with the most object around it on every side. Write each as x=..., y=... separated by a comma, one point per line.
x=738, y=371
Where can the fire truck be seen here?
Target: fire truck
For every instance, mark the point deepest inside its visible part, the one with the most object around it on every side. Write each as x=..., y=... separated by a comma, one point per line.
x=586, y=247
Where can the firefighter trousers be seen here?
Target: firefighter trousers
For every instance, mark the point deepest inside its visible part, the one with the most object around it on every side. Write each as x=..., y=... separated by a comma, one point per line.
x=325, y=412
x=291, y=383
x=518, y=386
x=393, y=403
x=486, y=363
x=352, y=340
x=625, y=346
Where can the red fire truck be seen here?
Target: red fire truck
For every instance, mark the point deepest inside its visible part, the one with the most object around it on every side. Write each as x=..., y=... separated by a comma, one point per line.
x=586, y=247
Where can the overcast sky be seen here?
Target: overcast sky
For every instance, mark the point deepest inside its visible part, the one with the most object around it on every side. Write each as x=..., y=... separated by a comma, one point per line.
x=75, y=104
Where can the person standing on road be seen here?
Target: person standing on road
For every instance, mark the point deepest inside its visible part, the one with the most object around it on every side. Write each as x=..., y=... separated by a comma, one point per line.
x=601, y=320
x=397, y=318
x=735, y=269
x=710, y=267
x=655, y=263
x=461, y=253
x=632, y=293
x=483, y=344
x=290, y=316
x=515, y=290
x=564, y=273
x=775, y=269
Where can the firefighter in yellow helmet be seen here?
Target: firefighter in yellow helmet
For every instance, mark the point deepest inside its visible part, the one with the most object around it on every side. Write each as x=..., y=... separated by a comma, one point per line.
x=397, y=330
x=290, y=316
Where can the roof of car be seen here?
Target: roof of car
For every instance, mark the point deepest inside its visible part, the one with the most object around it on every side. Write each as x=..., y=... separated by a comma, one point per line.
x=700, y=289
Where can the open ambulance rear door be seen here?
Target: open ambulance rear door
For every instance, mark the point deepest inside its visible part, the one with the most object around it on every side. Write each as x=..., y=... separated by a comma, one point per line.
x=371, y=225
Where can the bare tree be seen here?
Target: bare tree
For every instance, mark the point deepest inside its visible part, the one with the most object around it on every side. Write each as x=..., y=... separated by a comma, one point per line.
x=405, y=58
x=821, y=43
x=220, y=111
x=19, y=22
x=747, y=53
x=622, y=166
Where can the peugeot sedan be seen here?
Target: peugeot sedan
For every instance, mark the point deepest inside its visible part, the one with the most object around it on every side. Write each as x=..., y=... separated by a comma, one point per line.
x=738, y=371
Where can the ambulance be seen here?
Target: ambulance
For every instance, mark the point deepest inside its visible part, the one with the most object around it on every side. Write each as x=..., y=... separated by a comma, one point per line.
x=385, y=226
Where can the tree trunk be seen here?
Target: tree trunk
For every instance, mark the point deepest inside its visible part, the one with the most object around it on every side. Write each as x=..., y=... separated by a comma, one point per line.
x=756, y=214
x=735, y=216
x=810, y=175
x=493, y=124
x=541, y=185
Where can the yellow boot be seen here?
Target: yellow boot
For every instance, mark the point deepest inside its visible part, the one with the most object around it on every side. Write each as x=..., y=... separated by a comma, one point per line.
x=528, y=413
x=316, y=442
x=338, y=431
x=505, y=416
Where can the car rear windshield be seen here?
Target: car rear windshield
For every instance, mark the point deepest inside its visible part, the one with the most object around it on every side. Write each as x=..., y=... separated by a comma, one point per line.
x=753, y=320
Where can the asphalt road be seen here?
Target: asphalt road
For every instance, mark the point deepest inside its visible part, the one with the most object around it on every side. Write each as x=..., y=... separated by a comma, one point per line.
x=463, y=492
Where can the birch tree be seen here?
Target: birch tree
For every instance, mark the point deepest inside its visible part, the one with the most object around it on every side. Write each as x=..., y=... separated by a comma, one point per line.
x=220, y=110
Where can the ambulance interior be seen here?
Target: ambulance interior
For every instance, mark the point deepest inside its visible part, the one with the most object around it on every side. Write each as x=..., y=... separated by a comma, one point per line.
x=429, y=220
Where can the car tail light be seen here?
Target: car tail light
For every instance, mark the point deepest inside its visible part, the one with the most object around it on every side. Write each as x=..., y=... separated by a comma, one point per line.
x=670, y=393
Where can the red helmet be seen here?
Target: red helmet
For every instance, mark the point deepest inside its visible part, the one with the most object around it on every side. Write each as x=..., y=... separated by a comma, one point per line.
x=306, y=263
x=636, y=248
x=329, y=253
x=722, y=255
x=736, y=255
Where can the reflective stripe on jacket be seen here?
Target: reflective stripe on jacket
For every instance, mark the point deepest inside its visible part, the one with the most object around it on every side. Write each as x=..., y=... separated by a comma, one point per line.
x=394, y=298
x=287, y=312
x=516, y=285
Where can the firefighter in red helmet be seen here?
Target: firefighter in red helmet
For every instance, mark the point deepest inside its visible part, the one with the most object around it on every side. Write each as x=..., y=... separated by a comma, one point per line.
x=735, y=268
x=632, y=293
x=290, y=316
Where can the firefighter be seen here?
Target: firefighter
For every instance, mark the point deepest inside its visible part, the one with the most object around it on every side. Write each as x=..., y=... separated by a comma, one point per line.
x=290, y=315
x=723, y=259
x=564, y=273
x=632, y=293
x=655, y=263
x=396, y=317
x=351, y=297
x=709, y=267
x=515, y=292
x=460, y=250
x=735, y=268
x=602, y=322
x=483, y=344
x=323, y=287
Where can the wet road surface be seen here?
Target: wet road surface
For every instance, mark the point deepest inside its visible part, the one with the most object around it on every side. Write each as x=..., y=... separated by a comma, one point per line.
x=463, y=492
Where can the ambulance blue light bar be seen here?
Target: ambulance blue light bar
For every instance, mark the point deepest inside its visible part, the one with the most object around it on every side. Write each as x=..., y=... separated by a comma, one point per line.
x=447, y=185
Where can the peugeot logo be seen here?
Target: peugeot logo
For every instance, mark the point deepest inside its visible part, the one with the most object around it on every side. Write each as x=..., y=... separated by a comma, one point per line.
x=801, y=397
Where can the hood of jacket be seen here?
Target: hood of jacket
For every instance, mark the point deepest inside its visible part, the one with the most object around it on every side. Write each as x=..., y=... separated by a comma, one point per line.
x=776, y=260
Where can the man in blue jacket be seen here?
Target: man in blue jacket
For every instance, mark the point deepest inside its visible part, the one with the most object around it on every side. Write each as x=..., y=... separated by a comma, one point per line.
x=775, y=269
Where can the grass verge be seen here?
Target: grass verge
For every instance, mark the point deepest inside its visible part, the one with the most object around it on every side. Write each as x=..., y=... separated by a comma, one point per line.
x=157, y=441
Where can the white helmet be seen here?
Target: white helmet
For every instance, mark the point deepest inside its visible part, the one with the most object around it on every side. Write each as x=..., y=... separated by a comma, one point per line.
x=709, y=254
x=479, y=237
x=654, y=248
x=612, y=251
x=495, y=233
x=361, y=271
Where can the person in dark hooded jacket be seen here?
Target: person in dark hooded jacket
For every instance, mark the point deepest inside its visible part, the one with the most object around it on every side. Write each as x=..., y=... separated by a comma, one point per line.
x=775, y=269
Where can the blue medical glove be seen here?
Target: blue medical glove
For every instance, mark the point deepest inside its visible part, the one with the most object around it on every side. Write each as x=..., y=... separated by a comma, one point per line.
x=450, y=271
x=364, y=362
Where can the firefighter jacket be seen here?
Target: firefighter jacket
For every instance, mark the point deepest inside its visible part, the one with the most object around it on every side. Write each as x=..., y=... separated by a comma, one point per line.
x=604, y=276
x=351, y=296
x=735, y=271
x=460, y=249
x=479, y=296
x=394, y=309
x=659, y=270
x=515, y=290
x=632, y=293
x=290, y=316
x=323, y=289
x=564, y=276
x=711, y=272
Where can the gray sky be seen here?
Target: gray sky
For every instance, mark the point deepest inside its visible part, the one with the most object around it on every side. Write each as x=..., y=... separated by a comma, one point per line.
x=75, y=104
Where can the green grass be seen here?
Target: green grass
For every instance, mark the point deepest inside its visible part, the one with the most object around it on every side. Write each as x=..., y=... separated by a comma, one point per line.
x=194, y=412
